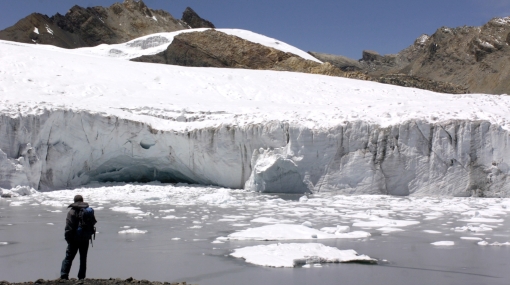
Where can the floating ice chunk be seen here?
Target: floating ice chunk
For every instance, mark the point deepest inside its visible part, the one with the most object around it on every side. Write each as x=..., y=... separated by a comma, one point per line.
x=482, y=220
x=303, y=199
x=53, y=203
x=297, y=254
x=382, y=222
x=431, y=232
x=221, y=196
x=389, y=230
x=494, y=243
x=471, y=238
x=129, y=210
x=217, y=241
x=172, y=217
x=50, y=224
x=337, y=229
x=176, y=238
x=167, y=211
x=264, y=220
x=485, y=213
x=443, y=243
x=133, y=231
x=307, y=224
x=56, y=211
x=3, y=243
x=290, y=232
x=18, y=191
x=473, y=228
x=17, y=203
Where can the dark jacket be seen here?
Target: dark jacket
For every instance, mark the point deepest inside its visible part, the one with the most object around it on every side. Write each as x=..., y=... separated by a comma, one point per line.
x=72, y=220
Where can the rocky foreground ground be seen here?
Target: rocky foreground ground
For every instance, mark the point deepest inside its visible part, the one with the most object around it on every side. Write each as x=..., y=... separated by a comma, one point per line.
x=87, y=281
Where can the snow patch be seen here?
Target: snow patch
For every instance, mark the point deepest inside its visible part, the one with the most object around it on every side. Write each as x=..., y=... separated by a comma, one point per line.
x=50, y=31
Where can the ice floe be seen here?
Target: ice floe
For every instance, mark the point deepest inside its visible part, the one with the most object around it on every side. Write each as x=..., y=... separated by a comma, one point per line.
x=290, y=232
x=297, y=254
x=443, y=243
x=133, y=231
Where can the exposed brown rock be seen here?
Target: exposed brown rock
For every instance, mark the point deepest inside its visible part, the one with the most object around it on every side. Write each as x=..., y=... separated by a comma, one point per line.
x=473, y=58
x=212, y=48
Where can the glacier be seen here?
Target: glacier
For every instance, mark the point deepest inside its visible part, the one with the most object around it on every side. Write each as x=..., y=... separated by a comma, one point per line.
x=71, y=117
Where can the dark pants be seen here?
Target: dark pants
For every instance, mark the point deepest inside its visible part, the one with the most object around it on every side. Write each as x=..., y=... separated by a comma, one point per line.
x=72, y=249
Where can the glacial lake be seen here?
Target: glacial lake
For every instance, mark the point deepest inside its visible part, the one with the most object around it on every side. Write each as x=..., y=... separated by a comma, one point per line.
x=181, y=225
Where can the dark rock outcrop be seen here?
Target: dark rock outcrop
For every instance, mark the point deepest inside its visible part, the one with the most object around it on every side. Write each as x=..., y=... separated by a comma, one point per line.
x=212, y=48
x=88, y=281
x=421, y=83
x=193, y=20
x=85, y=27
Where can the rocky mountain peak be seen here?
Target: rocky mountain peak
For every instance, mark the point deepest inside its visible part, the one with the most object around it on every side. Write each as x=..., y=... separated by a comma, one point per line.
x=137, y=5
x=91, y=26
x=190, y=17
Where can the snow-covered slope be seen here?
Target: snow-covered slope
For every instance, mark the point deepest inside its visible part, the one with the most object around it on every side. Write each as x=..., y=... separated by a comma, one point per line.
x=156, y=43
x=67, y=118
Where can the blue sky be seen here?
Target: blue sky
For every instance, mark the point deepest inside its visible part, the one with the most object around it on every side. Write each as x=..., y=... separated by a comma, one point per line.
x=344, y=27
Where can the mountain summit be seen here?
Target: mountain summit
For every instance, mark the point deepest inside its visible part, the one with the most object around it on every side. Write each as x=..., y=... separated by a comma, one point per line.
x=85, y=27
x=474, y=59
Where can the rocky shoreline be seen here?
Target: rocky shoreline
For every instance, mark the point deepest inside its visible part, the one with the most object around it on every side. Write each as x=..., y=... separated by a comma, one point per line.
x=87, y=281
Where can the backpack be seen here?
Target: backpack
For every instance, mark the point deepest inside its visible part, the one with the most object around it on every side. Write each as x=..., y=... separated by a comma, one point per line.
x=86, y=222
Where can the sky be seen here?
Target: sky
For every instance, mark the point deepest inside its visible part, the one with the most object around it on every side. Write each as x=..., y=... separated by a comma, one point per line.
x=342, y=27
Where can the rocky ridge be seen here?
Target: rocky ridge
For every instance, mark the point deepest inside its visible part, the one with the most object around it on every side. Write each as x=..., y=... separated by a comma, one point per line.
x=452, y=60
x=86, y=27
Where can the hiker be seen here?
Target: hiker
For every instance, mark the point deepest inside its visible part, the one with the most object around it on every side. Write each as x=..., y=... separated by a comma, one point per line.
x=79, y=229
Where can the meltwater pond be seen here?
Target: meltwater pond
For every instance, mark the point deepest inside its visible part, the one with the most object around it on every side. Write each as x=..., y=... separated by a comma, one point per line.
x=187, y=233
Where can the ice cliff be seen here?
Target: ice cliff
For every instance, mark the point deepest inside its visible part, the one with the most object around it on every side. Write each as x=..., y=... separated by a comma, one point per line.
x=64, y=148
x=68, y=118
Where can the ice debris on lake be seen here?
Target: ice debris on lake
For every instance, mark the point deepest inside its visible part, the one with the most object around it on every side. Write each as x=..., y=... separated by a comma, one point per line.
x=297, y=254
x=133, y=231
x=444, y=243
x=17, y=191
x=484, y=243
x=290, y=232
